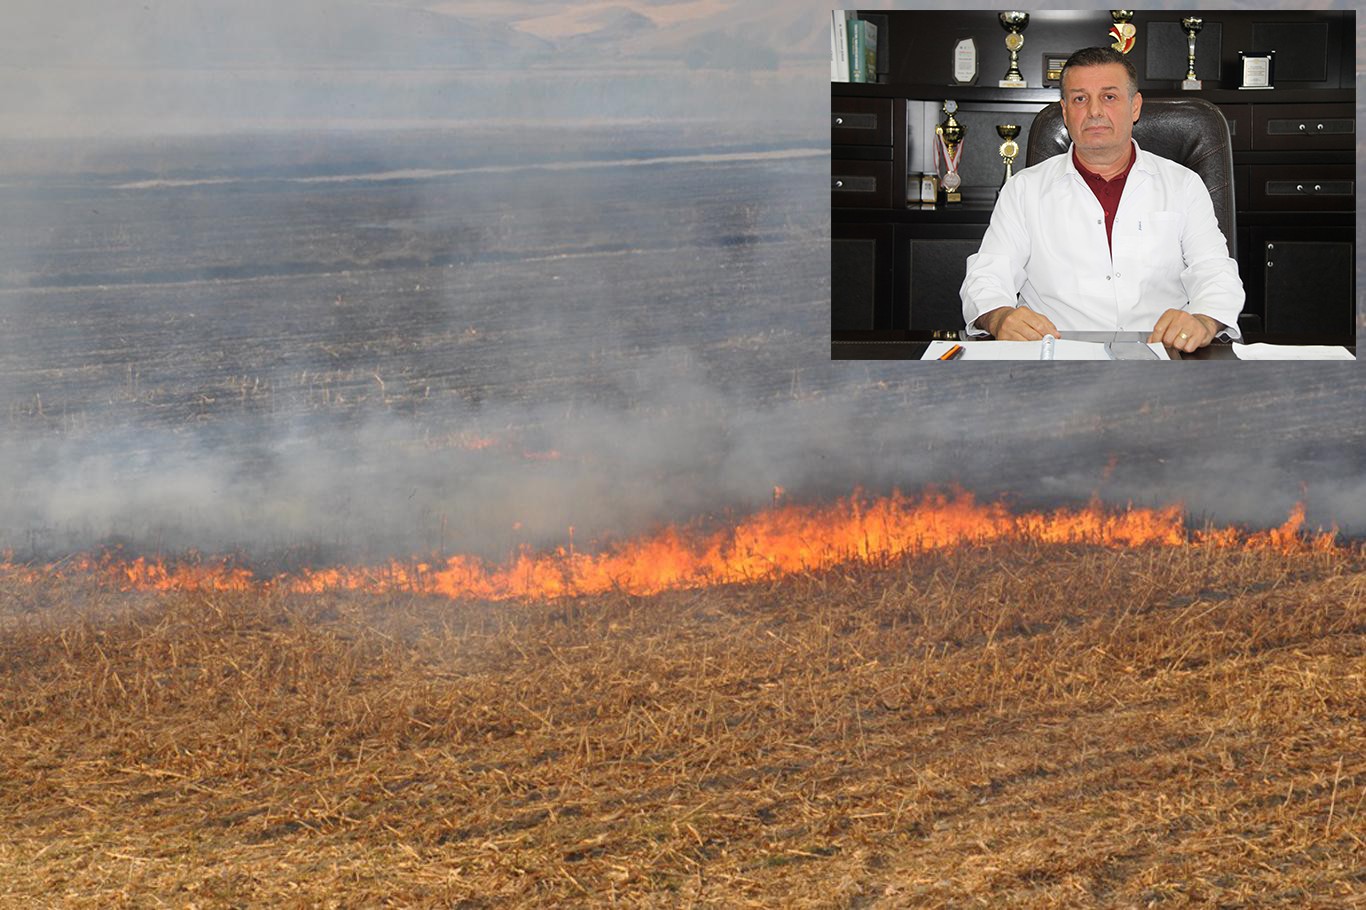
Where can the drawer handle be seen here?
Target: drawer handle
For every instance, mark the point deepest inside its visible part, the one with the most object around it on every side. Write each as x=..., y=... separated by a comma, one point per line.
x=853, y=184
x=1303, y=127
x=854, y=122
x=1320, y=126
x=1300, y=188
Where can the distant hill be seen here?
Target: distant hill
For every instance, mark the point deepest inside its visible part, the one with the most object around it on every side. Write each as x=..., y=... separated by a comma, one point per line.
x=254, y=33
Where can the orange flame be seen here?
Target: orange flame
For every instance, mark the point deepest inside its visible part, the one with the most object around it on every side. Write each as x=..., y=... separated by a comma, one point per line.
x=785, y=539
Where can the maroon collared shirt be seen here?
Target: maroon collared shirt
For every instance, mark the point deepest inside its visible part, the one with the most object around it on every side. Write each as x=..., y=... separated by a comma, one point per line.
x=1107, y=191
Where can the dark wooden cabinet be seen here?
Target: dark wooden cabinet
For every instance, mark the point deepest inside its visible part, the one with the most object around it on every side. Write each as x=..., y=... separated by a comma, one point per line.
x=932, y=262
x=861, y=255
x=866, y=184
x=860, y=121
x=896, y=265
x=1297, y=274
x=1299, y=282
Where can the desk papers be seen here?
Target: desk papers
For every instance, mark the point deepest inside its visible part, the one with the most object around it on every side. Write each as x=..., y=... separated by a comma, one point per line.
x=1291, y=352
x=1063, y=349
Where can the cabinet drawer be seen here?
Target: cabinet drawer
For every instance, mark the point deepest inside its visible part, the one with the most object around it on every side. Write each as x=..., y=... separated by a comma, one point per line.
x=860, y=121
x=1239, y=117
x=1303, y=126
x=862, y=184
x=1302, y=187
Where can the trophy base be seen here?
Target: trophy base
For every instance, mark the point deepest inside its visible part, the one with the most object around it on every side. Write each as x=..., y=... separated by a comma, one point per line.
x=1012, y=83
x=1191, y=85
x=953, y=197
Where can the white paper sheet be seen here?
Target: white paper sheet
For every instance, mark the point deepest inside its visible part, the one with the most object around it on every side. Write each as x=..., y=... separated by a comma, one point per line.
x=1291, y=352
x=1063, y=349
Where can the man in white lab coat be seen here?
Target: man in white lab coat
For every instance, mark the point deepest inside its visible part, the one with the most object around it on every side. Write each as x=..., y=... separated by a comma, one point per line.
x=1105, y=238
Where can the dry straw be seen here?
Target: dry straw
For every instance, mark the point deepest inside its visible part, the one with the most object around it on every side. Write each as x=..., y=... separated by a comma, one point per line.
x=1012, y=725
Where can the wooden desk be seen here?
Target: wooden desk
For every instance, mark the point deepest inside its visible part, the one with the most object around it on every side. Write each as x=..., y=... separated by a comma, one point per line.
x=910, y=344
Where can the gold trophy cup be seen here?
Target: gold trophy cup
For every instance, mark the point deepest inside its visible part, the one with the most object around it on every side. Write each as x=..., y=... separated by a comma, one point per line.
x=1193, y=26
x=1009, y=149
x=1014, y=22
x=950, y=135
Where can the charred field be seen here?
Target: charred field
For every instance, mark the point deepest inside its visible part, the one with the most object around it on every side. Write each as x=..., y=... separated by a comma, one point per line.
x=1019, y=724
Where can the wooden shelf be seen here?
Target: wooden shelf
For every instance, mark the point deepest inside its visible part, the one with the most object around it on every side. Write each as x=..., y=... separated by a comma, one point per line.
x=975, y=209
x=956, y=92
x=920, y=90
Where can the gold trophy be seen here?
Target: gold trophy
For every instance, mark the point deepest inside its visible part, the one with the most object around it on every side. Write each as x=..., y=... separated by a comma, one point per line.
x=1014, y=22
x=1009, y=149
x=1193, y=26
x=950, y=135
x=1123, y=31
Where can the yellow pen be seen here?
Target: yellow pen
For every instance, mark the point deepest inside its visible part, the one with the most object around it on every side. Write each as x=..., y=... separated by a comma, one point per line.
x=952, y=353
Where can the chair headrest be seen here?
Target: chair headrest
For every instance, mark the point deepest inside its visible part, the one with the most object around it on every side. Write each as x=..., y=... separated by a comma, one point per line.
x=1187, y=130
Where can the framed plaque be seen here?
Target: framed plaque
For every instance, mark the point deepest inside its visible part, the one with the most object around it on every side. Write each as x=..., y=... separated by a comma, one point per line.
x=965, y=62
x=1259, y=69
x=1052, y=69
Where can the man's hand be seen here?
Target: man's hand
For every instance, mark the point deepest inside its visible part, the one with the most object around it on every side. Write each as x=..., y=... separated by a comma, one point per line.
x=1018, y=323
x=1184, y=331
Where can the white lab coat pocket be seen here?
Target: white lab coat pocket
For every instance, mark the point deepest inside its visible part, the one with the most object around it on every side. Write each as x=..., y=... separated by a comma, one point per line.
x=1162, y=239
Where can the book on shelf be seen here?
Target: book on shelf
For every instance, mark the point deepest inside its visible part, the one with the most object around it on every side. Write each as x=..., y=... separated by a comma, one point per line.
x=857, y=58
x=859, y=46
x=839, y=47
x=869, y=50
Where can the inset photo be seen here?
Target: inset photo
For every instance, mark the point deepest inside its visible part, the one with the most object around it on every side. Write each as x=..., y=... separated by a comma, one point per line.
x=1092, y=185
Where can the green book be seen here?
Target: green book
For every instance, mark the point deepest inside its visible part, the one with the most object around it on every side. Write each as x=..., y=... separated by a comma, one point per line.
x=857, y=57
x=869, y=50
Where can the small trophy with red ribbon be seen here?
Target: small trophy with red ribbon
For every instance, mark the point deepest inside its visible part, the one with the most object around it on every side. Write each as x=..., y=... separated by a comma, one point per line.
x=1123, y=31
x=949, y=149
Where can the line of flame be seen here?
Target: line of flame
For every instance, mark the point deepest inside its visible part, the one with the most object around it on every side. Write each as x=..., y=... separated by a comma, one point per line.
x=785, y=539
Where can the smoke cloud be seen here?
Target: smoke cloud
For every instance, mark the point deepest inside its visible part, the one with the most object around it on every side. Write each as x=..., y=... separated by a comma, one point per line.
x=311, y=288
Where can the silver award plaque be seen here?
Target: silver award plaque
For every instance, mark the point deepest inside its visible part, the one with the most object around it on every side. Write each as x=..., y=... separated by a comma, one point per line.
x=965, y=62
x=1259, y=69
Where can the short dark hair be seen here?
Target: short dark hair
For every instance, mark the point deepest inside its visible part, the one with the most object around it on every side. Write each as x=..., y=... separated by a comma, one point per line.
x=1099, y=56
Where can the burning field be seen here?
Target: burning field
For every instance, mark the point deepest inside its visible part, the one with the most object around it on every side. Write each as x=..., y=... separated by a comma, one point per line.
x=514, y=409
x=928, y=702
x=518, y=614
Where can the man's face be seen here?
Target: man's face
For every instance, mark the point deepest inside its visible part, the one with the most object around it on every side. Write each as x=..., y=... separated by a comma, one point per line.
x=1097, y=109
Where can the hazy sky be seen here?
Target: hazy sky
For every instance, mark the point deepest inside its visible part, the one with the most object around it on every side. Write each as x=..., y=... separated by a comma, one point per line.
x=157, y=66
x=553, y=20
x=92, y=67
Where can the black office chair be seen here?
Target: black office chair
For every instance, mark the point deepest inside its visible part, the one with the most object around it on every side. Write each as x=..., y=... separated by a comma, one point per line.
x=1189, y=131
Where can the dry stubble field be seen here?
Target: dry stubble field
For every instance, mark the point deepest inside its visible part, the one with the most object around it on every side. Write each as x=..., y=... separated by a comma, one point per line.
x=1011, y=725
